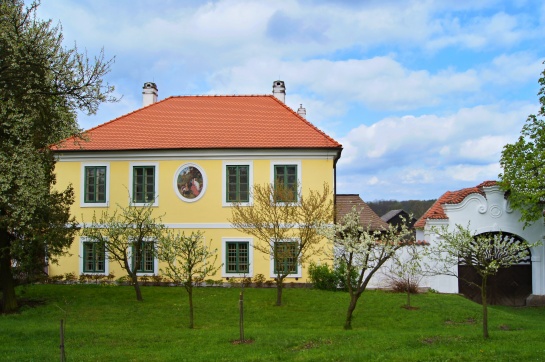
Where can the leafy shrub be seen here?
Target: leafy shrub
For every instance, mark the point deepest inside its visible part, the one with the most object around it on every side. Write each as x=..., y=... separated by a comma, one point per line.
x=259, y=279
x=157, y=279
x=70, y=277
x=341, y=273
x=269, y=283
x=323, y=276
x=247, y=282
x=234, y=282
x=219, y=282
x=210, y=282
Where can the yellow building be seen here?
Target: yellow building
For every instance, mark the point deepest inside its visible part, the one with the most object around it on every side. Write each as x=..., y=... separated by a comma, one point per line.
x=195, y=156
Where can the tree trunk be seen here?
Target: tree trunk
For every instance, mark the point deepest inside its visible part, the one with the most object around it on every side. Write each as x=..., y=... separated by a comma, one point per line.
x=190, y=293
x=351, y=307
x=134, y=279
x=485, y=307
x=7, y=284
x=279, y=286
x=408, y=293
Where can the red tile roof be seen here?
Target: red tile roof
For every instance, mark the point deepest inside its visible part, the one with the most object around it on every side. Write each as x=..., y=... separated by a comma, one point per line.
x=368, y=218
x=436, y=210
x=197, y=122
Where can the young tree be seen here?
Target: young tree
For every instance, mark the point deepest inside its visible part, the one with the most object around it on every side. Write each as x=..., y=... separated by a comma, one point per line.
x=523, y=164
x=363, y=251
x=43, y=85
x=406, y=270
x=286, y=231
x=188, y=260
x=485, y=253
x=129, y=236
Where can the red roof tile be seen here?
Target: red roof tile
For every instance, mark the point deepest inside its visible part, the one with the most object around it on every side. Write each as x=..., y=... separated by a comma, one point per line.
x=436, y=210
x=368, y=218
x=197, y=122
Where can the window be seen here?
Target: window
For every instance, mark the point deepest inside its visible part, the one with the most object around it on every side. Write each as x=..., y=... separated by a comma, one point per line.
x=238, y=183
x=286, y=176
x=95, y=184
x=147, y=258
x=95, y=180
x=94, y=258
x=143, y=184
x=286, y=257
x=237, y=257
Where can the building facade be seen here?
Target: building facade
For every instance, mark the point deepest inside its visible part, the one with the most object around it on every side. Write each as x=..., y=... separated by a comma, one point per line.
x=193, y=157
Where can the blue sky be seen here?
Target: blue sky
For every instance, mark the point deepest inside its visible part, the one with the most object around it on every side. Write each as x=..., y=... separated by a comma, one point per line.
x=423, y=95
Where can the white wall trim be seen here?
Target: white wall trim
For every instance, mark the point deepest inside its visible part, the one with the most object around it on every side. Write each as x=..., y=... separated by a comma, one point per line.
x=192, y=154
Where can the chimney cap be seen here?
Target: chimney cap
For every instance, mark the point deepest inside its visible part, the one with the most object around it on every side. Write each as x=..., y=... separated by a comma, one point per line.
x=150, y=85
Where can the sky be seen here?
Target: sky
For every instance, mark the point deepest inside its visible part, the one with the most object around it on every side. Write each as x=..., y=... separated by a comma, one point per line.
x=423, y=95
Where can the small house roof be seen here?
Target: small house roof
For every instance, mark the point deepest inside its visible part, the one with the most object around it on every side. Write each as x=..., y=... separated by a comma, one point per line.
x=368, y=218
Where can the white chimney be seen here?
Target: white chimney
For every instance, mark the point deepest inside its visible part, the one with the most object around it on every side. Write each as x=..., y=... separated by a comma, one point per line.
x=149, y=94
x=279, y=90
x=302, y=111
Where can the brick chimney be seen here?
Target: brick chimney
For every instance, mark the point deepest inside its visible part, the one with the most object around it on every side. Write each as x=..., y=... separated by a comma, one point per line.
x=279, y=90
x=149, y=94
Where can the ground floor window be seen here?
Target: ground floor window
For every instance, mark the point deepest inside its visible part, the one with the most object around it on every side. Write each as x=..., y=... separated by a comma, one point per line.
x=237, y=257
x=94, y=260
x=285, y=257
x=146, y=258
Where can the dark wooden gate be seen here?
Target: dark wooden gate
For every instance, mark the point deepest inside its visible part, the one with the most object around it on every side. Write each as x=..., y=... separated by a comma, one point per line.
x=510, y=286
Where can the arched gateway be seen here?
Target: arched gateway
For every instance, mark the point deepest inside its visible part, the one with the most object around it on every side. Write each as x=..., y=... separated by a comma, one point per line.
x=486, y=210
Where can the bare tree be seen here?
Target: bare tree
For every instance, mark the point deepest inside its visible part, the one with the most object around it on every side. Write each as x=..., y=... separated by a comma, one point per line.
x=128, y=236
x=406, y=269
x=188, y=260
x=287, y=231
x=485, y=253
x=364, y=251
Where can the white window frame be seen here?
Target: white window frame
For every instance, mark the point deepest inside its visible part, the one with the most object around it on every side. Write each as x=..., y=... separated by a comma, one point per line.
x=250, y=165
x=84, y=239
x=299, y=273
x=82, y=184
x=155, y=259
x=250, y=242
x=131, y=179
x=299, y=173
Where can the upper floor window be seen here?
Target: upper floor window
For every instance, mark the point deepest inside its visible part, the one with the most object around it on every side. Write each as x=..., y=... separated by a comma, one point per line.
x=95, y=184
x=143, y=185
x=237, y=178
x=238, y=183
x=95, y=179
x=285, y=179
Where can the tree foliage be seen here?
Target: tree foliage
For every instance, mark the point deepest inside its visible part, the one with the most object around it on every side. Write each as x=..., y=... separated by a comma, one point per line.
x=523, y=164
x=188, y=261
x=273, y=223
x=485, y=253
x=124, y=236
x=363, y=251
x=43, y=85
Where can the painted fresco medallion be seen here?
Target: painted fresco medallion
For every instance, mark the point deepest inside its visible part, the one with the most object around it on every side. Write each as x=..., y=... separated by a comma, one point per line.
x=190, y=182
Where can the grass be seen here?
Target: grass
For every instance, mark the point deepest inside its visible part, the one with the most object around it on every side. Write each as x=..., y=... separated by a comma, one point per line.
x=106, y=323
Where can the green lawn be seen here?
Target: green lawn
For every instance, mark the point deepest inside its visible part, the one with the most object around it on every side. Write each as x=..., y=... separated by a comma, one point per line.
x=106, y=323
